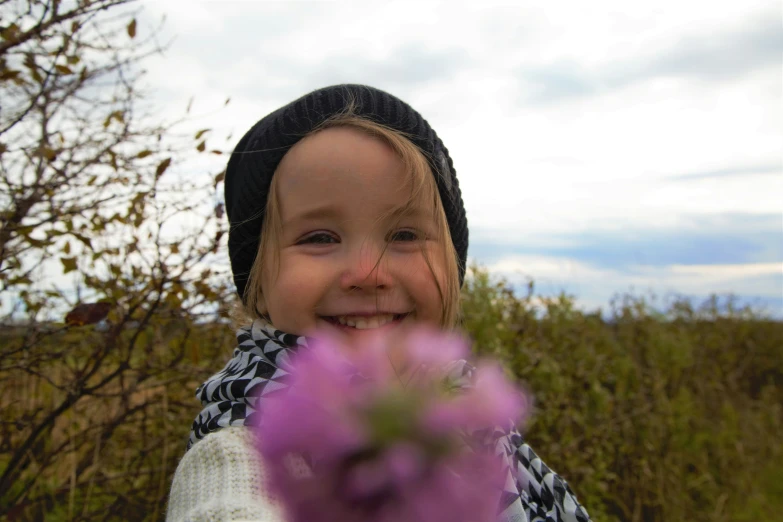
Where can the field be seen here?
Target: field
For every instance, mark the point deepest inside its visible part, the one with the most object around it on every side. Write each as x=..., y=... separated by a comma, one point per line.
x=651, y=415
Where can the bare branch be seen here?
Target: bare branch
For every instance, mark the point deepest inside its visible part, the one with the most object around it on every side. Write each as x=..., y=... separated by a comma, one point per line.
x=43, y=25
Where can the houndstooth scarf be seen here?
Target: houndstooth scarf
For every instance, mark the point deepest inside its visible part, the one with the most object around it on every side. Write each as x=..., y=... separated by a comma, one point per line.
x=235, y=395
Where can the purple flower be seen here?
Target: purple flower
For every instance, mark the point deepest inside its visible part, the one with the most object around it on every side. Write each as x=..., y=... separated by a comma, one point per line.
x=320, y=396
x=386, y=445
x=491, y=402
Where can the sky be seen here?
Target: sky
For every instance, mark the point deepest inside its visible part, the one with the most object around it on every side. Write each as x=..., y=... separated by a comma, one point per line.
x=602, y=147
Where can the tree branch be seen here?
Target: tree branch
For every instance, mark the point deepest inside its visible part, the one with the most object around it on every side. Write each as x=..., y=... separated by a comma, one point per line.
x=38, y=29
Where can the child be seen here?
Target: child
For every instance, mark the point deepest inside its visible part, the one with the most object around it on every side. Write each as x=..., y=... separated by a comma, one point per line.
x=346, y=216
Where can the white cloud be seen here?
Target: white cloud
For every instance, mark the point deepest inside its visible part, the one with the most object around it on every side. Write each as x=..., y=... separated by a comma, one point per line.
x=594, y=286
x=604, y=159
x=728, y=271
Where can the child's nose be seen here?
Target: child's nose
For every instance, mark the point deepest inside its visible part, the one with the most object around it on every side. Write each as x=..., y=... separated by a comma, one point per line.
x=366, y=269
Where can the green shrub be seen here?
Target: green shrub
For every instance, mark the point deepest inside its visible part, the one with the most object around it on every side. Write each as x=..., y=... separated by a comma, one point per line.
x=650, y=416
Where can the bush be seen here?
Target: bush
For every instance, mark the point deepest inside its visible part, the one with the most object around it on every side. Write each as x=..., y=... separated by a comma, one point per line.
x=650, y=416
x=98, y=214
x=94, y=423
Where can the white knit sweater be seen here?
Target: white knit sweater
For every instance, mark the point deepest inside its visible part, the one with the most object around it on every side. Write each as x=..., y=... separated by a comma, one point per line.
x=221, y=479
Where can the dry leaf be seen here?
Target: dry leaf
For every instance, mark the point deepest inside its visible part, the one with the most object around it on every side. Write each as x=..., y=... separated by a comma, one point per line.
x=87, y=313
x=132, y=28
x=162, y=166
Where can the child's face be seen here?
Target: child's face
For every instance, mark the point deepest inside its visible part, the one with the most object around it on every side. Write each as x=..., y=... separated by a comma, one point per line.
x=334, y=190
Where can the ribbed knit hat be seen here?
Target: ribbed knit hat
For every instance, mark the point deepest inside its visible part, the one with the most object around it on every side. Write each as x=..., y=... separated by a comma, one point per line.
x=258, y=153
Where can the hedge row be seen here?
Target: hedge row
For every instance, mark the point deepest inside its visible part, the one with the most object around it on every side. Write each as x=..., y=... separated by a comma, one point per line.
x=651, y=416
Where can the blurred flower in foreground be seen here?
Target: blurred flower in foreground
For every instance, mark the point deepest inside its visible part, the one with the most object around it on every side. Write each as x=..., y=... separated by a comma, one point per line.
x=385, y=444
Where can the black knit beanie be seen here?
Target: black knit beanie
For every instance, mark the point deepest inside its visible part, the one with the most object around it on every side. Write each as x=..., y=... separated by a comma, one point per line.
x=258, y=153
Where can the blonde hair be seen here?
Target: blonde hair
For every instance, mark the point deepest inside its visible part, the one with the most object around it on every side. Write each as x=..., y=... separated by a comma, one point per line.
x=423, y=189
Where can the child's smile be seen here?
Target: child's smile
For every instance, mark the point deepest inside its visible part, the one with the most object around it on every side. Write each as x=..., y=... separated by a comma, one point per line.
x=349, y=261
x=365, y=322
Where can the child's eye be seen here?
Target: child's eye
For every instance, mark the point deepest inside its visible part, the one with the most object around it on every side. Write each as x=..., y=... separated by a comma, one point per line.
x=404, y=235
x=318, y=238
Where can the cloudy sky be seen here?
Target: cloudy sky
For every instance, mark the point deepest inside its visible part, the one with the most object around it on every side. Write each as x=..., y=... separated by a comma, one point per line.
x=602, y=147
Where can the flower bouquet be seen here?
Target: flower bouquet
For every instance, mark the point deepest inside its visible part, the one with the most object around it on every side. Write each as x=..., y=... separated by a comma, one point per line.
x=398, y=429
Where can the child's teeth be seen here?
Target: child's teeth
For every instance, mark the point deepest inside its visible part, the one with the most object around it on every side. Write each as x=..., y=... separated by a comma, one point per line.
x=365, y=323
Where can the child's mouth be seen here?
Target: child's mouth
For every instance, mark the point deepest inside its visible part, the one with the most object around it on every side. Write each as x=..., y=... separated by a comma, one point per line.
x=364, y=322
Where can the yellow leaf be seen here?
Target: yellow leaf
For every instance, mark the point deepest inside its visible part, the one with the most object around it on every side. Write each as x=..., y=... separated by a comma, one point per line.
x=174, y=248
x=200, y=133
x=132, y=28
x=218, y=152
x=220, y=177
x=162, y=166
x=69, y=264
x=9, y=74
x=64, y=69
x=85, y=240
x=73, y=60
x=201, y=146
x=29, y=61
x=9, y=32
x=46, y=152
x=67, y=248
x=144, y=154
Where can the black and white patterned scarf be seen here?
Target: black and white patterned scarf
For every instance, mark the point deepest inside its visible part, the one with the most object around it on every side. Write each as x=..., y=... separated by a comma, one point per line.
x=235, y=395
